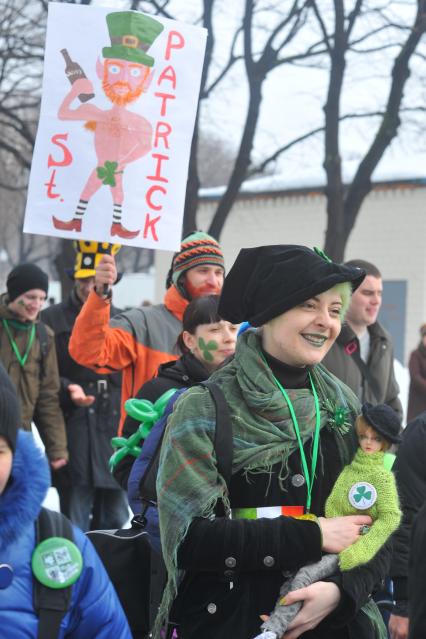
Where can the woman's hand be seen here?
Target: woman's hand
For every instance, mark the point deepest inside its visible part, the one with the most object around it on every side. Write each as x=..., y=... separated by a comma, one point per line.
x=398, y=627
x=318, y=601
x=339, y=533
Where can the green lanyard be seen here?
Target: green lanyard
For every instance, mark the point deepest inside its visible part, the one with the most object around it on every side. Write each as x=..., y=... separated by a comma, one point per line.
x=308, y=477
x=21, y=359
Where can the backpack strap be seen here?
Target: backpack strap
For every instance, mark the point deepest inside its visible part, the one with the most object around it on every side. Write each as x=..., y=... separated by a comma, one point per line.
x=42, y=337
x=50, y=604
x=147, y=483
x=223, y=440
x=223, y=445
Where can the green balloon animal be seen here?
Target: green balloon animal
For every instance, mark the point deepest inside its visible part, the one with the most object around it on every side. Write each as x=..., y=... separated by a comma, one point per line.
x=147, y=414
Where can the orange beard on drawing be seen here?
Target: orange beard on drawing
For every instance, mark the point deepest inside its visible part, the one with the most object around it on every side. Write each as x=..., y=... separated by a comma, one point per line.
x=121, y=99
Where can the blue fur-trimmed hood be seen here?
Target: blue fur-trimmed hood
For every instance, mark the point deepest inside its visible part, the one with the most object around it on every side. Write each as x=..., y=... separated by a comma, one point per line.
x=21, y=501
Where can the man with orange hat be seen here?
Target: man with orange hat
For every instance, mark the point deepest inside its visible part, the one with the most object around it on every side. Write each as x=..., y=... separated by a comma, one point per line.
x=136, y=342
x=89, y=494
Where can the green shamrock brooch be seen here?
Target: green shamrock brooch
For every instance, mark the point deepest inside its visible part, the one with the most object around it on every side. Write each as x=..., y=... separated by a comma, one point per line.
x=338, y=416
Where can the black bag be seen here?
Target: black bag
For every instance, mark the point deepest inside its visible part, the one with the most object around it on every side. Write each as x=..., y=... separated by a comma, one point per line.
x=136, y=570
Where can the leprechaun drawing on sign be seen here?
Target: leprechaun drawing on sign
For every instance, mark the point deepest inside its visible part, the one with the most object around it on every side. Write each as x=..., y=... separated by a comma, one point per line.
x=121, y=136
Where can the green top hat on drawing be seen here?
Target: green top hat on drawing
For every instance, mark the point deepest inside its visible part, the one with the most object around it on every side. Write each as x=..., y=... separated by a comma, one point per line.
x=131, y=36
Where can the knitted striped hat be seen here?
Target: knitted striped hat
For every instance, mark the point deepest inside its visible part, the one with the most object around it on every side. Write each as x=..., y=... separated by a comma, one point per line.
x=196, y=249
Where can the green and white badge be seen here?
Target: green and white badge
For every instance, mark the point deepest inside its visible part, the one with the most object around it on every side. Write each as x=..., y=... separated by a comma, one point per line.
x=57, y=562
x=362, y=495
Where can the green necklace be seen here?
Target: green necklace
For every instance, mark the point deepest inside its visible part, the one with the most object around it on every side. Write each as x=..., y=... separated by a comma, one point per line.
x=309, y=477
x=21, y=358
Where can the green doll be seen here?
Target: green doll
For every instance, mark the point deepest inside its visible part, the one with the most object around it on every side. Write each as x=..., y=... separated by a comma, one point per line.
x=365, y=486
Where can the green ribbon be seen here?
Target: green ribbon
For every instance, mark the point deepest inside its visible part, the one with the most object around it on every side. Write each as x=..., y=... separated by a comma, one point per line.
x=21, y=358
x=309, y=477
x=321, y=253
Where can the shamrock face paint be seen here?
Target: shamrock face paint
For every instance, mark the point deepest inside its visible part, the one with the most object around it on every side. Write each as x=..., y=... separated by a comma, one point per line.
x=212, y=343
x=206, y=348
x=28, y=305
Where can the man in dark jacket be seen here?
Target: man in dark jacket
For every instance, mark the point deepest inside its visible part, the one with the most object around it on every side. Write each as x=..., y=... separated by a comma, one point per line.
x=27, y=351
x=91, y=406
x=410, y=472
x=362, y=356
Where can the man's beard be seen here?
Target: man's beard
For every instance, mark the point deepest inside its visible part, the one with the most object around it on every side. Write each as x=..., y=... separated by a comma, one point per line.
x=121, y=99
x=201, y=291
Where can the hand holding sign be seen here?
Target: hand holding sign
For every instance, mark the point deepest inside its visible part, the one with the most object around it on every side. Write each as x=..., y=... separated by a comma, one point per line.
x=106, y=274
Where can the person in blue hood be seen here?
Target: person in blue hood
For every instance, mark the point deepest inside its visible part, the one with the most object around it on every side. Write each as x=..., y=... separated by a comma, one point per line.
x=94, y=609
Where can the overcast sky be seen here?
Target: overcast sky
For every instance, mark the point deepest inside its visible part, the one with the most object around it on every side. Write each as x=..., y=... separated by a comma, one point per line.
x=294, y=97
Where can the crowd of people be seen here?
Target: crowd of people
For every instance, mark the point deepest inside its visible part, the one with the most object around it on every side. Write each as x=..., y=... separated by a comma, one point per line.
x=322, y=512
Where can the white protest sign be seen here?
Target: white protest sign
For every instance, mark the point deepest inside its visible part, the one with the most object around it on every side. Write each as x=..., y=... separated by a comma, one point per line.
x=120, y=93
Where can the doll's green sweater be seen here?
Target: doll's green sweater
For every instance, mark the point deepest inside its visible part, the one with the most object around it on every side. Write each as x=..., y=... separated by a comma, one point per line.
x=385, y=512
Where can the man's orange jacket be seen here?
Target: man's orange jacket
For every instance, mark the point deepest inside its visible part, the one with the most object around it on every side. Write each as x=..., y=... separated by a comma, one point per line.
x=134, y=342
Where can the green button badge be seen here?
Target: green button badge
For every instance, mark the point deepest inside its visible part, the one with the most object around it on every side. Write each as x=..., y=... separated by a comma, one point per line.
x=57, y=562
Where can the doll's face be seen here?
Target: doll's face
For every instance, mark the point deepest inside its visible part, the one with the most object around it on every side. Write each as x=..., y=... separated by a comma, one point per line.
x=370, y=441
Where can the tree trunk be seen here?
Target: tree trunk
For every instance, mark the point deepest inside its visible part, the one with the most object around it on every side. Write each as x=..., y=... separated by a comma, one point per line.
x=192, y=186
x=343, y=214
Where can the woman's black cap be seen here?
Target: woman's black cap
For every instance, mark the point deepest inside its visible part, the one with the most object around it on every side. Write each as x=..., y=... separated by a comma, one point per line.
x=266, y=281
x=383, y=419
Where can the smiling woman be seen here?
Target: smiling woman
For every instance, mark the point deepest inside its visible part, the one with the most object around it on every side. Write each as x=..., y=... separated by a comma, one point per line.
x=293, y=432
x=304, y=335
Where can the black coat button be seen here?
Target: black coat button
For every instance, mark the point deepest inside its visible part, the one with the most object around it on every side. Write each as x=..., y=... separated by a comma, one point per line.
x=230, y=562
x=269, y=561
x=211, y=608
x=297, y=480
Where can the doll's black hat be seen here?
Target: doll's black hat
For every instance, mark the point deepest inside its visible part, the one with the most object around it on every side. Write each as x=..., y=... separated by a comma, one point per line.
x=266, y=281
x=384, y=420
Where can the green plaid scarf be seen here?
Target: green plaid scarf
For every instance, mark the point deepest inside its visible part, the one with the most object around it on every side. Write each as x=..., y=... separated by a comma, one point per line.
x=188, y=484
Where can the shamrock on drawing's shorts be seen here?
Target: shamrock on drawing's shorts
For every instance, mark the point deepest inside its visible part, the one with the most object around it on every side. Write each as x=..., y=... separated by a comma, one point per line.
x=107, y=173
x=362, y=495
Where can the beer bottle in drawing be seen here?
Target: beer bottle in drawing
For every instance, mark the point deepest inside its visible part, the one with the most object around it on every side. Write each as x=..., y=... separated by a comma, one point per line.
x=74, y=72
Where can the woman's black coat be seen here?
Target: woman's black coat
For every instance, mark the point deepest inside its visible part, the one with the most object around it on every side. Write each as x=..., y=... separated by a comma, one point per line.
x=410, y=473
x=203, y=558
